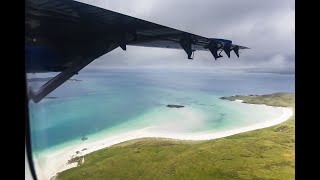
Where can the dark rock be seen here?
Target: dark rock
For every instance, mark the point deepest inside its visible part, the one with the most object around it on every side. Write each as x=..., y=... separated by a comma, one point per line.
x=281, y=128
x=51, y=97
x=75, y=159
x=84, y=138
x=174, y=106
x=227, y=98
x=84, y=149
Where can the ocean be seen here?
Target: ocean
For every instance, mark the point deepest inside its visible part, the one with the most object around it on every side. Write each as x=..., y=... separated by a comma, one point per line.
x=97, y=103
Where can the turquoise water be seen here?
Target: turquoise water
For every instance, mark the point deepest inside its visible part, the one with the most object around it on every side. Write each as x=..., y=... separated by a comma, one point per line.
x=107, y=102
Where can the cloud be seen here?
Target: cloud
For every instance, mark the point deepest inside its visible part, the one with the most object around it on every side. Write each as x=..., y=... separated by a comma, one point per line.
x=267, y=27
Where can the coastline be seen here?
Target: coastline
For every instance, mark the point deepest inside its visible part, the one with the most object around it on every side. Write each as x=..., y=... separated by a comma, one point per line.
x=56, y=161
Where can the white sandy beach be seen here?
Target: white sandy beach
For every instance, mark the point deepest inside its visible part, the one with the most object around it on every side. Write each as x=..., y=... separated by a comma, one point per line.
x=55, y=162
x=238, y=100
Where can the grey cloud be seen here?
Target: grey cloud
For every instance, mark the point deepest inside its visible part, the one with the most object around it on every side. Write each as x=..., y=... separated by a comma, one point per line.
x=267, y=27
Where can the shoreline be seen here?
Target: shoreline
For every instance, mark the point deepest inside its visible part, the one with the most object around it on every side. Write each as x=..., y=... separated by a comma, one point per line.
x=55, y=162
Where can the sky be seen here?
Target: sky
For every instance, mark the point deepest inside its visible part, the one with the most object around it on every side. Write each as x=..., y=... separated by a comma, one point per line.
x=266, y=27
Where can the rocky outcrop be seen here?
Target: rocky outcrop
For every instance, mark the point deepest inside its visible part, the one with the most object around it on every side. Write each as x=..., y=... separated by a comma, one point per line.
x=174, y=106
x=281, y=128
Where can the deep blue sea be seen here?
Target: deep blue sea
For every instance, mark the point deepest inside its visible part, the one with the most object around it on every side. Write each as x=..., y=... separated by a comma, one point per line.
x=117, y=100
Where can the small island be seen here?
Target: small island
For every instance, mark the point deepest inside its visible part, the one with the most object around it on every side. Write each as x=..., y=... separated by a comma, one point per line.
x=174, y=106
x=75, y=80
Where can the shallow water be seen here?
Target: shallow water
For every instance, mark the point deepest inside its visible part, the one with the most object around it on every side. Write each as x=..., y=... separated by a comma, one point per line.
x=109, y=102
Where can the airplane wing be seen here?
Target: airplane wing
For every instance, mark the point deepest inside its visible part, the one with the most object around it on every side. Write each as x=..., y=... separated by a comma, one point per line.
x=65, y=36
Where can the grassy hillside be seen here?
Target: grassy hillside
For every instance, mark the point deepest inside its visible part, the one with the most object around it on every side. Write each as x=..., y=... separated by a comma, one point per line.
x=276, y=99
x=261, y=154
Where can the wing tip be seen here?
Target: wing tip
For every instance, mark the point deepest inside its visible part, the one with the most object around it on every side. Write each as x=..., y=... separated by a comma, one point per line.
x=243, y=47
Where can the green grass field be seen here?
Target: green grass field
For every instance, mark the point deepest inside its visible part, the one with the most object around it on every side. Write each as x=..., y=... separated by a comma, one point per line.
x=267, y=153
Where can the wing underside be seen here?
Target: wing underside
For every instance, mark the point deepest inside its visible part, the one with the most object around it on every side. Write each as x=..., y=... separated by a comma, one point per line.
x=65, y=36
x=61, y=32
